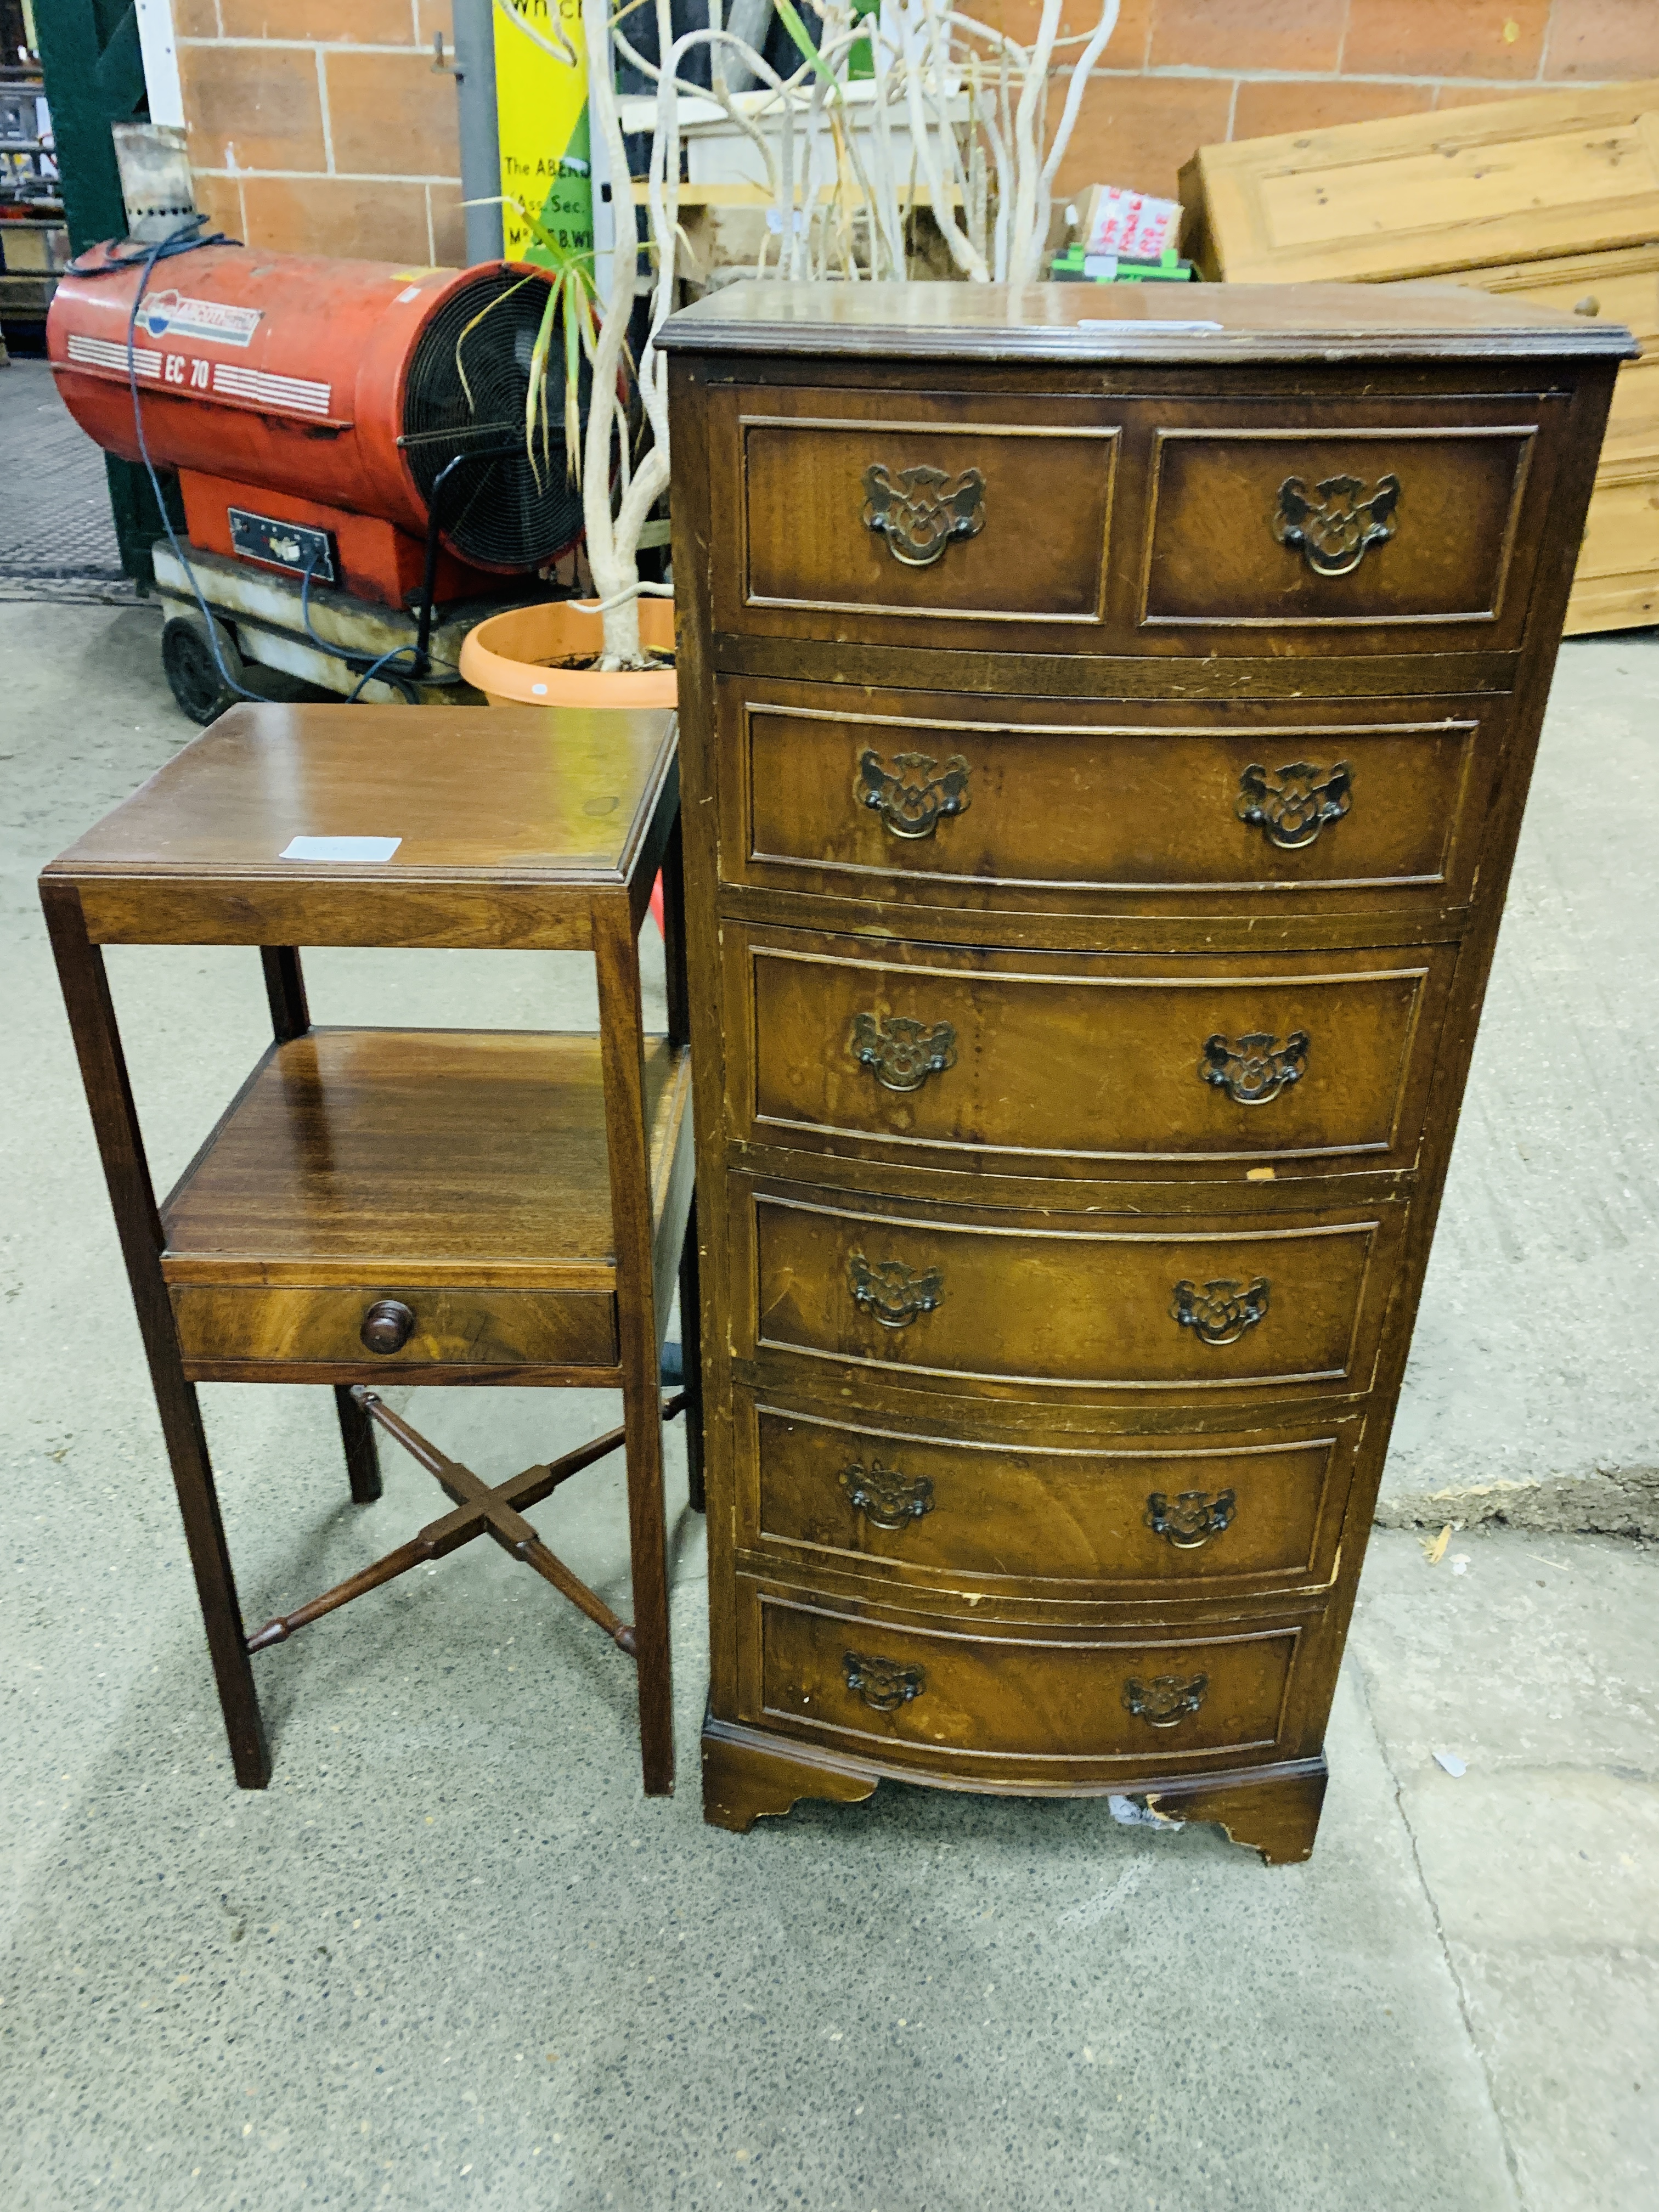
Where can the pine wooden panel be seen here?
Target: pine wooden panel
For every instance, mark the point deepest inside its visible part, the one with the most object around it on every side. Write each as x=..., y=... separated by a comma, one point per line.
x=1622, y=287
x=420, y=1156
x=1420, y=194
x=1554, y=200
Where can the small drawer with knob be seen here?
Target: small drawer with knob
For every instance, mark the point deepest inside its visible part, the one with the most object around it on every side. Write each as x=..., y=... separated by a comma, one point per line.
x=230, y=1332
x=1095, y=806
x=1056, y=1518
x=997, y=1303
x=1098, y=1064
x=1147, y=1699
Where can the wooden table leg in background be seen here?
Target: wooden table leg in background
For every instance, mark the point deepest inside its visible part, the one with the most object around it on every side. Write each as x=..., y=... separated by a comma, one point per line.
x=679, y=1033
x=673, y=937
x=115, y=1122
x=291, y=1017
x=691, y=1360
x=622, y=1034
x=362, y=1454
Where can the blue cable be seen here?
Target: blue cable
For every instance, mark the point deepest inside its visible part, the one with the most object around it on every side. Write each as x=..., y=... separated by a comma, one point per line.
x=163, y=248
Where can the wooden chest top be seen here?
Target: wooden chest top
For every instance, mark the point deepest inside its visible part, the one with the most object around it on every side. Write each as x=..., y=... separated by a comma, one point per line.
x=1077, y=322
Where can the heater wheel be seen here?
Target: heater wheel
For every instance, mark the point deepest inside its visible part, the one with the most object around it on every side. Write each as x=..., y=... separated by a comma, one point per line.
x=193, y=674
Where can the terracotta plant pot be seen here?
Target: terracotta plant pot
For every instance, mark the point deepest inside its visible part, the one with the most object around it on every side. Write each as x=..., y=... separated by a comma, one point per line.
x=507, y=658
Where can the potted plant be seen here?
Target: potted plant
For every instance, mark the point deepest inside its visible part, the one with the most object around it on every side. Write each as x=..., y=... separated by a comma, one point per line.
x=969, y=106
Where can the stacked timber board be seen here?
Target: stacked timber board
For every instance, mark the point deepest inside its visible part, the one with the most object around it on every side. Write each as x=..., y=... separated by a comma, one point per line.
x=1554, y=200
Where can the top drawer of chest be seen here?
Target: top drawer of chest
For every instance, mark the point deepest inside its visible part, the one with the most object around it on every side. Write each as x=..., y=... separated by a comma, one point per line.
x=1061, y=522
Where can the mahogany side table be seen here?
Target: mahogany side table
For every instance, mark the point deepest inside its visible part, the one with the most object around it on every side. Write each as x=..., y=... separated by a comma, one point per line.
x=431, y=1207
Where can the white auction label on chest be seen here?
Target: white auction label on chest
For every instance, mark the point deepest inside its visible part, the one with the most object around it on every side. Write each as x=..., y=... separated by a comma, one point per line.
x=370, y=849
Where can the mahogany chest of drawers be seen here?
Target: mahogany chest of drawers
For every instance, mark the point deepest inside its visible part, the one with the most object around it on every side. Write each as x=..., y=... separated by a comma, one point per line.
x=1103, y=744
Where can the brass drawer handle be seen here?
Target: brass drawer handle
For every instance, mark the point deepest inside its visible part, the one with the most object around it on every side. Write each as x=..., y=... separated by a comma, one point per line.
x=902, y=1054
x=1189, y=1522
x=1167, y=1699
x=882, y=1683
x=911, y=801
x=920, y=511
x=1257, y=1068
x=1292, y=809
x=887, y=1497
x=894, y=1293
x=1334, y=533
x=1221, y=1312
x=387, y=1326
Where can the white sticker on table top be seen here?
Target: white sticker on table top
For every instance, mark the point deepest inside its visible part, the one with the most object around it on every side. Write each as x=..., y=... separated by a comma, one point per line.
x=373, y=850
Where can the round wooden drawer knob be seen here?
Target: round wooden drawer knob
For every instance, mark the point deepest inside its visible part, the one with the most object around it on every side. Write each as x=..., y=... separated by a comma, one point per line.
x=387, y=1326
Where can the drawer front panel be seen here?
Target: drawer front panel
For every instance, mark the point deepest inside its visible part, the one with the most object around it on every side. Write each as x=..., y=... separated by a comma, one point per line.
x=1164, y=1515
x=1179, y=1308
x=1321, y=1058
x=1155, y=1700
x=987, y=510
x=1335, y=530
x=976, y=802
x=450, y=1328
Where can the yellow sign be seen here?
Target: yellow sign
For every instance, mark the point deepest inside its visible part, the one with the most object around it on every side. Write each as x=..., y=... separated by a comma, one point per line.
x=541, y=105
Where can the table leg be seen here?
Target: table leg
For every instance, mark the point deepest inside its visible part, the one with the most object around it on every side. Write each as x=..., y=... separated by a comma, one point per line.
x=679, y=1033
x=291, y=1017
x=115, y=1122
x=691, y=1359
x=363, y=1455
x=622, y=1044
x=673, y=937
x=285, y=987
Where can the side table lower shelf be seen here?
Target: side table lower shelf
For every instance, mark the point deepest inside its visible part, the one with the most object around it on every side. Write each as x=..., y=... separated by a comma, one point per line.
x=461, y=1177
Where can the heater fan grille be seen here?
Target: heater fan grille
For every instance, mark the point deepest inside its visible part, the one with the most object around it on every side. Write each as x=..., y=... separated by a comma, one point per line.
x=493, y=510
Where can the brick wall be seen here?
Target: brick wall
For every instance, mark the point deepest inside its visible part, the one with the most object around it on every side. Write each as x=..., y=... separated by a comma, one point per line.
x=1181, y=74
x=320, y=125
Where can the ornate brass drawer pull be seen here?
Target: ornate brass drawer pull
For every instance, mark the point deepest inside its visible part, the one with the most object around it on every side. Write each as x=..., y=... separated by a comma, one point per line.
x=1255, y=1069
x=882, y=1683
x=1167, y=1699
x=894, y=1293
x=920, y=511
x=900, y=1053
x=1334, y=531
x=1292, y=809
x=887, y=1497
x=910, y=798
x=1221, y=1312
x=1189, y=1522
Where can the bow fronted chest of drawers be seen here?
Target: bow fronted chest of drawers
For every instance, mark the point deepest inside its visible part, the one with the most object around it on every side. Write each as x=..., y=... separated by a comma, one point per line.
x=1104, y=741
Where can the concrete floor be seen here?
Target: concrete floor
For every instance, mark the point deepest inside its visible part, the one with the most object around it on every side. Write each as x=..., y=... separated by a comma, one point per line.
x=455, y=1951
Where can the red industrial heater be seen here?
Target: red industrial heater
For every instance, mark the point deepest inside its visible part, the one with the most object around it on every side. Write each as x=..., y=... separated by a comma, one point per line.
x=350, y=445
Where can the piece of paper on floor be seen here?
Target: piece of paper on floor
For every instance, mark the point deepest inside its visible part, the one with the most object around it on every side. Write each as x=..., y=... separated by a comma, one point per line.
x=373, y=850
x=1453, y=1765
x=1128, y=1813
